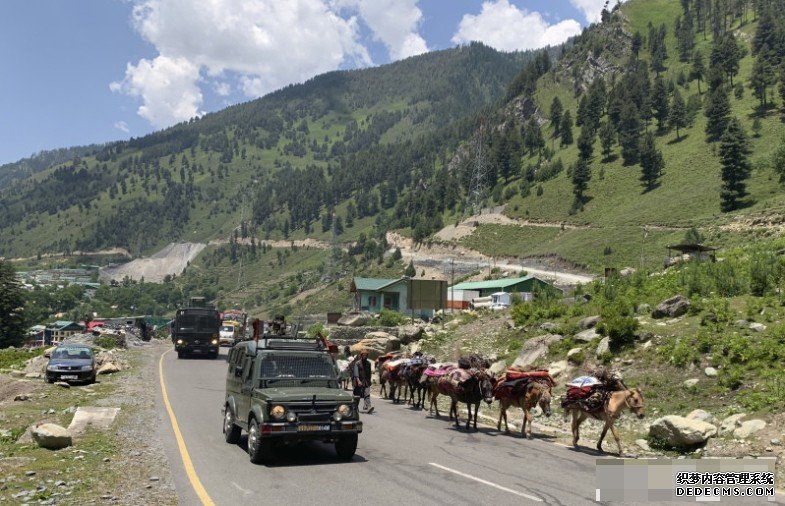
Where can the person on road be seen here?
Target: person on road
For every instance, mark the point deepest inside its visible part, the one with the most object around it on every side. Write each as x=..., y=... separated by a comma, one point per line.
x=361, y=379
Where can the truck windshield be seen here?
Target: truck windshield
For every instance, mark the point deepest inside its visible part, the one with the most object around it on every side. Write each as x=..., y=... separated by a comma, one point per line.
x=299, y=367
x=196, y=323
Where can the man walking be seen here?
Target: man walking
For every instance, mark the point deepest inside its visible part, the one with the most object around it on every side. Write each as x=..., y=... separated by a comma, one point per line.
x=361, y=379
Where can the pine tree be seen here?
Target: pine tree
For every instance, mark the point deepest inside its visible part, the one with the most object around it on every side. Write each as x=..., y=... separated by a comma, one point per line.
x=698, y=68
x=736, y=168
x=630, y=129
x=557, y=110
x=718, y=113
x=756, y=126
x=762, y=77
x=678, y=116
x=410, y=270
x=583, y=110
x=586, y=142
x=566, y=129
x=652, y=162
x=581, y=175
x=659, y=102
x=607, y=138
x=12, y=300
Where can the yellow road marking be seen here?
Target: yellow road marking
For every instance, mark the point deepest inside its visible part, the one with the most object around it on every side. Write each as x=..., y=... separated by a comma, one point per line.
x=189, y=466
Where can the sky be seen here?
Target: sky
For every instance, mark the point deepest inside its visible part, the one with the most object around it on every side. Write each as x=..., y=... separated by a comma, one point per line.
x=77, y=72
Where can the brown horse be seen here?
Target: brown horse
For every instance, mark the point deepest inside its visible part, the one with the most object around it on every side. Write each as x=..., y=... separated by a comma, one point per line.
x=379, y=369
x=477, y=388
x=431, y=386
x=535, y=394
x=613, y=407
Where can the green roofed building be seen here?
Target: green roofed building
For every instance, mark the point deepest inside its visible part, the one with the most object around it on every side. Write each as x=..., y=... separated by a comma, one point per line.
x=420, y=297
x=525, y=285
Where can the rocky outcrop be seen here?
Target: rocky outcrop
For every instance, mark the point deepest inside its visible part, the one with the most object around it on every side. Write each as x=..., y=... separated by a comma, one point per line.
x=673, y=307
x=108, y=368
x=535, y=349
x=703, y=415
x=589, y=322
x=409, y=333
x=603, y=347
x=680, y=432
x=354, y=320
x=731, y=423
x=576, y=356
x=51, y=436
x=377, y=344
x=587, y=335
x=748, y=428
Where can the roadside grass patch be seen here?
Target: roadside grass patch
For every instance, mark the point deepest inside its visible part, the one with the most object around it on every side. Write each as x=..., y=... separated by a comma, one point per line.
x=16, y=358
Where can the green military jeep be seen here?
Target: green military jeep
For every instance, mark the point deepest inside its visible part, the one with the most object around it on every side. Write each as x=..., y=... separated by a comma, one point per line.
x=283, y=390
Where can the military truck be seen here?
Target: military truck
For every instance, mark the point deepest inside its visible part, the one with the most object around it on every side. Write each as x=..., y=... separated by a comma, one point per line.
x=283, y=390
x=195, y=331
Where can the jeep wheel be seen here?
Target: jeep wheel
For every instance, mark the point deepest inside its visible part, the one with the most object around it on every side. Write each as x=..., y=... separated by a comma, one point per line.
x=231, y=430
x=259, y=450
x=346, y=446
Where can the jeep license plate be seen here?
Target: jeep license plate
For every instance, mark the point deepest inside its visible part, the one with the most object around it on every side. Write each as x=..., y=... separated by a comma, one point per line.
x=312, y=428
x=68, y=376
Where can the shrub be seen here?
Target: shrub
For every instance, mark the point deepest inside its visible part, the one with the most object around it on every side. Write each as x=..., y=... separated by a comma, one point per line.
x=106, y=342
x=317, y=328
x=618, y=325
x=389, y=318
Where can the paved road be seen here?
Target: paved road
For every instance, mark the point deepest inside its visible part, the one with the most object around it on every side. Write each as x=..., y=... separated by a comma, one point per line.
x=403, y=455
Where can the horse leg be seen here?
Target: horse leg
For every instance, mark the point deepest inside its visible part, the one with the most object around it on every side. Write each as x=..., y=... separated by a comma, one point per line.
x=502, y=414
x=608, y=423
x=616, y=436
x=476, y=413
x=469, y=415
x=528, y=417
x=576, y=424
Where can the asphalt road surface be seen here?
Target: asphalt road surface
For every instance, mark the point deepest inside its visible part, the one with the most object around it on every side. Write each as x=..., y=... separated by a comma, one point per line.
x=403, y=456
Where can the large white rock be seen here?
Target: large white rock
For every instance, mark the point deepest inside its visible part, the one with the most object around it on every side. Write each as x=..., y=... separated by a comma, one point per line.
x=576, y=356
x=702, y=415
x=51, y=436
x=757, y=327
x=673, y=307
x=587, y=335
x=603, y=347
x=108, y=368
x=535, y=349
x=498, y=367
x=589, y=322
x=557, y=368
x=730, y=423
x=95, y=417
x=710, y=372
x=679, y=432
x=691, y=382
x=354, y=320
x=377, y=344
x=748, y=428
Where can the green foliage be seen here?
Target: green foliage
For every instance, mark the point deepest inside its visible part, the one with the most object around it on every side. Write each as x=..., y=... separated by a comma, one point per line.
x=12, y=298
x=538, y=310
x=618, y=325
x=389, y=318
x=106, y=342
x=318, y=328
x=651, y=161
x=16, y=358
x=736, y=168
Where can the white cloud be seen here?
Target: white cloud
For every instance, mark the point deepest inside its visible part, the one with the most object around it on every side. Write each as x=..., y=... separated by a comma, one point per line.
x=268, y=43
x=222, y=88
x=505, y=27
x=393, y=22
x=122, y=126
x=592, y=8
x=167, y=87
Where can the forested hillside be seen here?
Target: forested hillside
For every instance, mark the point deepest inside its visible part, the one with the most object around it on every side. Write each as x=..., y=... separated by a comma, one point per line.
x=283, y=162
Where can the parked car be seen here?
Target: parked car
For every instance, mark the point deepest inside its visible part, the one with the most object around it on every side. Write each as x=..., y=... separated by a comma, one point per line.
x=71, y=362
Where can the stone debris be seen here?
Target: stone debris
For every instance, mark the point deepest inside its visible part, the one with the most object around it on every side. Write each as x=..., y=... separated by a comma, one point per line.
x=748, y=428
x=679, y=432
x=94, y=417
x=52, y=436
x=674, y=307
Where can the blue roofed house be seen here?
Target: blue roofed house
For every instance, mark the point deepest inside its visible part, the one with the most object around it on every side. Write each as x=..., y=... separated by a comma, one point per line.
x=375, y=294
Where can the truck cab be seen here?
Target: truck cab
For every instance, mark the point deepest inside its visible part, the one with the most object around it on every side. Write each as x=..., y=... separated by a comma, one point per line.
x=283, y=390
x=195, y=331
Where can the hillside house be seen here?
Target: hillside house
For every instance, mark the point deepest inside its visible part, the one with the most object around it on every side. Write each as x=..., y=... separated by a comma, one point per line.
x=375, y=294
x=60, y=330
x=525, y=286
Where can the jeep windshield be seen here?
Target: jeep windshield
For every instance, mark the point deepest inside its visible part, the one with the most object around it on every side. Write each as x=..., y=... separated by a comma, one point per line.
x=290, y=369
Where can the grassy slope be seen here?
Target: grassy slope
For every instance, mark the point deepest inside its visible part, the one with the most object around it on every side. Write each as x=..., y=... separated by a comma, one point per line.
x=689, y=191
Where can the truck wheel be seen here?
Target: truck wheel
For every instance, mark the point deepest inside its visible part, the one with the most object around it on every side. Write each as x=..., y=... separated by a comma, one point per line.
x=180, y=354
x=346, y=447
x=231, y=430
x=259, y=449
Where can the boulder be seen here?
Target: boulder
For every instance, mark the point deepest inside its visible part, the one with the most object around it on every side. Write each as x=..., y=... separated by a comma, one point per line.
x=710, y=372
x=643, y=308
x=673, y=307
x=731, y=423
x=576, y=356
x=63, y=384
x=34, y=375
x=603, y=347
x=643, y=444
x=702, y=415
x=409, y=333
x=549, y=326
x=680, y=432
x=627, y=271
x=757, y=327
x=498, y=367
x=51, y=436
x=557, y=368
x=535, y=348
x=377, y=344
x=108, y=368
x=36, y=365
x=589, y=322
x=742, y=324
x=354, y=319
x=587, y=335
x=748, y=428
x=691, y=382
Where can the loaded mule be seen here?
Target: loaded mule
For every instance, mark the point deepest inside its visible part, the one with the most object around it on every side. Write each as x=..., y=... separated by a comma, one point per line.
x=524, y=389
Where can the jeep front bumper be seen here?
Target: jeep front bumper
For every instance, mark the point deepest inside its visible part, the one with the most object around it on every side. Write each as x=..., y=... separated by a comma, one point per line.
x=304, y=431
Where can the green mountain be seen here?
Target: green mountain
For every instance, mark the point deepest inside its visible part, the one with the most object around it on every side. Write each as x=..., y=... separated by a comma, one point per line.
x=281, y=161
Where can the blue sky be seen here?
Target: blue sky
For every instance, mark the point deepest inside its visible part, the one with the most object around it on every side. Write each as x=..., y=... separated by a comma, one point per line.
x=91, y=71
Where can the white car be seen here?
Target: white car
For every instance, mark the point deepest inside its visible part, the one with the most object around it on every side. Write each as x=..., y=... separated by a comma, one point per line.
x=226, y=335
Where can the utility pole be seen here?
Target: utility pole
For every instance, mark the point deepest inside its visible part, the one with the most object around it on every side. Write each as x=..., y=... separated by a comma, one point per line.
x=452, y=285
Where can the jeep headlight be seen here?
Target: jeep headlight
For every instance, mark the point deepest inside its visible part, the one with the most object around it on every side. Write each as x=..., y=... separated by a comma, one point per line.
x=291, y=417
x=337, y=416
x=345, y=410
x=278, y=412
